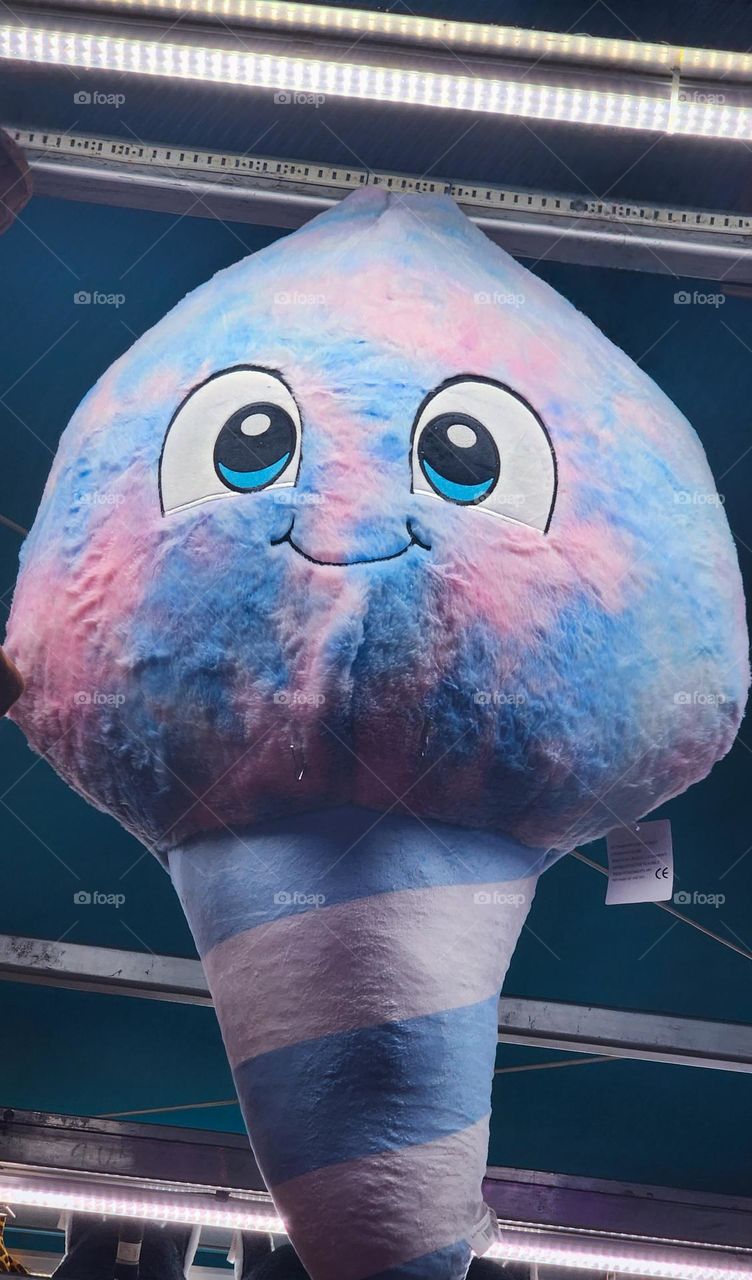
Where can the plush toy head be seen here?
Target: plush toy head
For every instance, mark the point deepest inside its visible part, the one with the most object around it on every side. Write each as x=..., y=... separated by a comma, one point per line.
x=375, y=512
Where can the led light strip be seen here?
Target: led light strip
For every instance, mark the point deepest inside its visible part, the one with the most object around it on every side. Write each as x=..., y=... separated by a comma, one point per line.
x=234, y=1215
x=318, y=78
x=604, y=1256
x=515, y=1245
x=478, y=36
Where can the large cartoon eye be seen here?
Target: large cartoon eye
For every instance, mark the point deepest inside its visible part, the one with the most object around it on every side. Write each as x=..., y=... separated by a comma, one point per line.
x=238, y=432
x=478, y=444
x=458, y=457
x=254, y=446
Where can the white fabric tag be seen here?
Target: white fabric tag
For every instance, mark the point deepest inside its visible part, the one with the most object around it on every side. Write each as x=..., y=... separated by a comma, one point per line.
x=640, y=863
x=484, y=1233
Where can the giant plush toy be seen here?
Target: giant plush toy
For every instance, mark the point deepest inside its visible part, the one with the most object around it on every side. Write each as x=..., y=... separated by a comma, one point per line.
x=368, y=582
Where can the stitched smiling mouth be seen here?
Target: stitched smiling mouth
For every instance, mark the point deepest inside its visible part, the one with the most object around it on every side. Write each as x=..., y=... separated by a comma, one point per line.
x=415, y=541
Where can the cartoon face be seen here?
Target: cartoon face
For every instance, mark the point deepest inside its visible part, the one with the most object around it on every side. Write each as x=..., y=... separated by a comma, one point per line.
x=377, y=517
x=241, y=432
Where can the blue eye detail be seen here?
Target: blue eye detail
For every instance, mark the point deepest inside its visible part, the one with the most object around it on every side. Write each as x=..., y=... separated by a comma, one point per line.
x=459, y=458
x=254, y=447
x=455, y=492
x=252, y=479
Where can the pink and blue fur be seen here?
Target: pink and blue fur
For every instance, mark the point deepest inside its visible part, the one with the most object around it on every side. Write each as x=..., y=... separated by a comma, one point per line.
x=356, y=766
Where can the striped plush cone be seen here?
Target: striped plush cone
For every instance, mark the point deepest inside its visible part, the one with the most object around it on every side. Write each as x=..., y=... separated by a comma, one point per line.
x=355, y=965
x=375, y=523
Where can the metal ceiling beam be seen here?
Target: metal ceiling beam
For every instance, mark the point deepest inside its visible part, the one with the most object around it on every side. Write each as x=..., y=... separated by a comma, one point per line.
x=171, y=1157
x=103, y=970
x=624, y=1033
x=264, y=190
x=541, y=1024
x=624, y=1208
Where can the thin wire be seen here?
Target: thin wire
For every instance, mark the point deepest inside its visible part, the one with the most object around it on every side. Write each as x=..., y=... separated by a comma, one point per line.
x=565, y=1062
x=158, y=1111
x=233, y=1102
x=11, y=524
x=664, y=906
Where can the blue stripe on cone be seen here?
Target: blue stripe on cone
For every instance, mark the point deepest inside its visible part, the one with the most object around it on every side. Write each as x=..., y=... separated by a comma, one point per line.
x=376, y=1089
x=452, y=1261
x=275, y=869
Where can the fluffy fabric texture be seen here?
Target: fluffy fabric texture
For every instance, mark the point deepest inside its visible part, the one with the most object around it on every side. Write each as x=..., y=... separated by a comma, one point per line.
x=185, y=672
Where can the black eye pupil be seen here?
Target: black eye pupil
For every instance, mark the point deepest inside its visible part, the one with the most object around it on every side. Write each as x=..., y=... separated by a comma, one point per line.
x=255, y=438
x=459, y=449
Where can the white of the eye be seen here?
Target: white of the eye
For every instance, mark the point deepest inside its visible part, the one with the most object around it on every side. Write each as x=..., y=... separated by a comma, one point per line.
x=255, y=424
x=461, y=435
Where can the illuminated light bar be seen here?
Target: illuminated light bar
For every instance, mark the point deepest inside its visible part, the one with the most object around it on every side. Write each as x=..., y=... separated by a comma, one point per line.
x=618, y=1256
x=596, y=1253
x=477, y=36
x=194, y=1210
x=104, y=52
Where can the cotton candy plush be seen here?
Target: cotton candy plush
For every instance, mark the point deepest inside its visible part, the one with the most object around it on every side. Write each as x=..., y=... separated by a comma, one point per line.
x=368, y=582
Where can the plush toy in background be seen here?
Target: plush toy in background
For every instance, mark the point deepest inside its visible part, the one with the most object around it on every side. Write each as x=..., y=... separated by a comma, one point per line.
x=15, y=190
x=15, y=181
x=366, y=584
x=11, y=683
